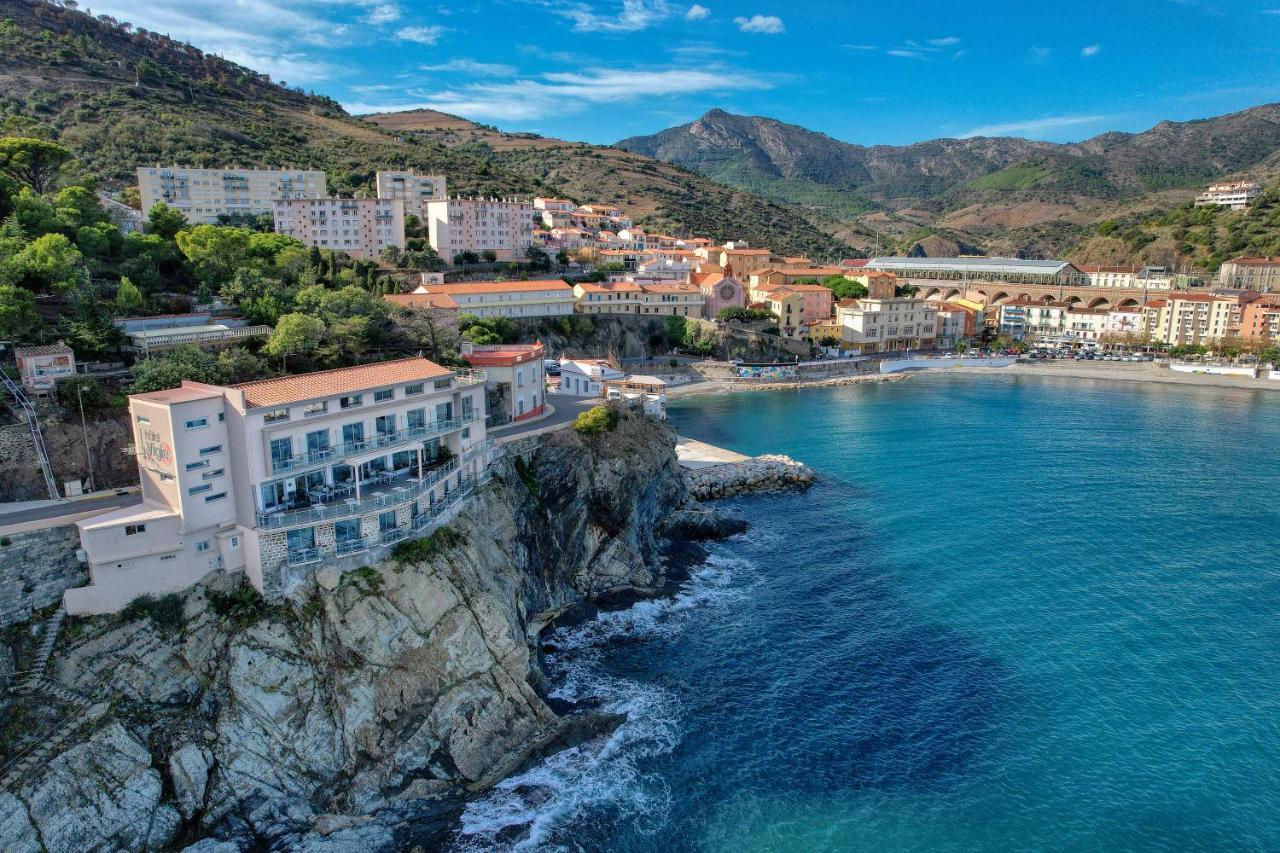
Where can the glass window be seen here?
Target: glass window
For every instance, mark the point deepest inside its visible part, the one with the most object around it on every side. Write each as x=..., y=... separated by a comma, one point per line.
x=384, y=395
x=134, y=529
x=143, y=419
x=192, y=466
x=209, y=451
x=197, y=423
x=315, y=409
x=347, y=529
x=275, y=417
x=353, y=433
x=387, y=521
x=281, y=451
x=214, y=498
x=317, y=442
x=351, y=401
x=195, y=490
x=213, y=475
x=385, y=424
x=441, y=384
x=415, y=389
x=415, y=419
x=201, y=547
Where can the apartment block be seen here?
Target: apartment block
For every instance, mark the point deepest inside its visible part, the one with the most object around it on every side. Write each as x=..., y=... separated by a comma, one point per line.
x=1251, y=273
x=279, y=476
x=1195, y=318
x=675, y=298
x=1235, y=196
x=414, y=191
x=502, y=226
x=202, y=195
x=1260, y=320
x=540, y=298
x=361, y=227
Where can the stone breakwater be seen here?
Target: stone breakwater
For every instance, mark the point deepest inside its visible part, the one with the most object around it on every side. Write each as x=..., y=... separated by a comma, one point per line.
x=767, y=473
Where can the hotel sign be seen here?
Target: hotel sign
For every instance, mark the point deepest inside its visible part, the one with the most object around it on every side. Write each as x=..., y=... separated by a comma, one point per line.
x=154, y=451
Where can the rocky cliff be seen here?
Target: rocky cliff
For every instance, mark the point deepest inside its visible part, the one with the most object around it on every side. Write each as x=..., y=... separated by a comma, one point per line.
x=366, y=708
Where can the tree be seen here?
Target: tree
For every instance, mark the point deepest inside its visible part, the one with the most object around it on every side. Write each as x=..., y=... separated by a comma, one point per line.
x=295, y=334
x=90, y=331
x=18, y=318
x=215, y=253
x=34, y=162
x=390, y=254
x=49, y=262
x=489, y=255
x=596, y=420
x=128, y=296
x=169, y=370
x=844, y=288
x=75, y=391
x=164, y=221
x=734, y=314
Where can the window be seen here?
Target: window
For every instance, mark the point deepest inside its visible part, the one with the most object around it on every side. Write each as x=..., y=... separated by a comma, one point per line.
x=197, y=423
x=201, y=547
x=415, y=389
x=194, y=466
x=466, y=431
x=415, y=419
x=168, y=557
x=134, y=529
x=315, y=409
x=350, y=402
x=353, y=433
x=384, y=394
x=235, y=541
x=213, y=498
x=276, y=416
x=281, y=451
x=209, y=451
x=213, y=475
x=195, y=490
x=385, y=424
x=143, y=419
x=441, y=384
x=387, y=521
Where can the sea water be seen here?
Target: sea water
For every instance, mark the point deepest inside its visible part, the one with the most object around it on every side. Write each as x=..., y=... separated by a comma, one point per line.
x=1013, y=614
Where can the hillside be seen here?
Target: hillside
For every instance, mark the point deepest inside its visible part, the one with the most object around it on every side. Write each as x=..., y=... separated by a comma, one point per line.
x=1006, y=194
x=121, y=97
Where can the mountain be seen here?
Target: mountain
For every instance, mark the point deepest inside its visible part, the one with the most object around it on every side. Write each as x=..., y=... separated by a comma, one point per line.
x=120, y=97
x=1015, y=194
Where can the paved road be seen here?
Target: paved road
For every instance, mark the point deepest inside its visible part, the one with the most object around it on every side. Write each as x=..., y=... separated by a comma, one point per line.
x=566, y=409
x=59, y=510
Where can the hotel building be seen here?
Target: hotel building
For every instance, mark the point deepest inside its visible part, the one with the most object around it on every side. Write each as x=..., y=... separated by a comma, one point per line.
x=882, y=322
x=278, y=476
x=361, y=227
x=1194, y=318
x=414, y=191
x=542, y=298
x=673, y=298
x=502, y=226
x=202, y=195
x=516, y=382
x=1235, y=196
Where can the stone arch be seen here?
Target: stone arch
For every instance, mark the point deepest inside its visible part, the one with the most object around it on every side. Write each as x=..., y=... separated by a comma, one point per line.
x=953, y=293
x=934, y=293
x=1025, y=296
x=1000, y=297
x=980, y=296
x=1100, y=302
x=1047, y=298
x=1073, y=300
x=1128, y=303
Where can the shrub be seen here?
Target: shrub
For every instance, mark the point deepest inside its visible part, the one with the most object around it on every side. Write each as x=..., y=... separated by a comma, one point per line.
x=366, y=579
x=164, y=612
x=242, y=607
x=596, y=420
x=420, y=550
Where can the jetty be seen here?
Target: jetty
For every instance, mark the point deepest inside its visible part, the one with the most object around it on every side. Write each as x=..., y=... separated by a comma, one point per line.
x=715, y=472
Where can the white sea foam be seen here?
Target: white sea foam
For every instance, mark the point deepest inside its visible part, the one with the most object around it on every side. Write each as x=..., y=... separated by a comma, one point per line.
x=607, y=773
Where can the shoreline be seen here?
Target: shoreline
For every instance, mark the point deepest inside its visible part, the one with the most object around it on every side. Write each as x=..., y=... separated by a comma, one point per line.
x=1111, y=371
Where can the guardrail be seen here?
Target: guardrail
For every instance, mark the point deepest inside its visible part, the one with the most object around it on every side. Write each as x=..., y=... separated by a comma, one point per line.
x=389, y=440
x=346, y=509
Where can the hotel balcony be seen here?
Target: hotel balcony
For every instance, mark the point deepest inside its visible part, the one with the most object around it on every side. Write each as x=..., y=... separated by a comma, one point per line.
x=386, y=441
x=302, y=556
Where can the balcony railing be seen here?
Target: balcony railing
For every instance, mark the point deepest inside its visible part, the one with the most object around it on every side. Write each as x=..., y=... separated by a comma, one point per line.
x=301, y=556
x=349, y=508
x=351, y=546
x=393, y=535
x=377, y=442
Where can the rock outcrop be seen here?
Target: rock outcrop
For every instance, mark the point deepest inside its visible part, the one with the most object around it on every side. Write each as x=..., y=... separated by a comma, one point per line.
x=769, y=473
x=360, y=713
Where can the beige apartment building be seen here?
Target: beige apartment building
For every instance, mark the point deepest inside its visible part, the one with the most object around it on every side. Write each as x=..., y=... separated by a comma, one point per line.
x=414, y=190
x=538, y=298
x=675, y=298
x=279, y=476
x=1194, y=318
x=202, y=195
x=361, y=227
x=1260, y=274
x=882, y=322
x=502, y=226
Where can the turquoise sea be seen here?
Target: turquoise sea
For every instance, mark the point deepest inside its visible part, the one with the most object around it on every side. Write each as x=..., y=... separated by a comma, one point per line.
x=1015, y=614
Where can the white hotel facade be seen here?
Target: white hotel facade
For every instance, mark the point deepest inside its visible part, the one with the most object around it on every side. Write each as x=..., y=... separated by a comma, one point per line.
x=202, y=195
x=279, y=476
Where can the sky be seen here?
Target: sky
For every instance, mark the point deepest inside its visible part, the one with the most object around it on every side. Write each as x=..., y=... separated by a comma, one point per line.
x=869, y=72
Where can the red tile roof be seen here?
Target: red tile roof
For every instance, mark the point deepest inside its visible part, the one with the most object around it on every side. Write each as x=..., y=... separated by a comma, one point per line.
x=344, y=380
x=498, y=286
x=422, y=300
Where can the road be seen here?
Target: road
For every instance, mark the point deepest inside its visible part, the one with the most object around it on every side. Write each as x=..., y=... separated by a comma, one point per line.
x=566, y=409
x=67, y=508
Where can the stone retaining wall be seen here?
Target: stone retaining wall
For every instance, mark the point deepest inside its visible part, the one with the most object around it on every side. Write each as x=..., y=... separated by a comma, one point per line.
x=36, y=568
x=760, y=474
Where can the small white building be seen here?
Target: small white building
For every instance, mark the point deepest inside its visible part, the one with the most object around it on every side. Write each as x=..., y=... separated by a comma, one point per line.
x=587, y=378
x=1234, y=195
x=516, y=379
x=40, y=367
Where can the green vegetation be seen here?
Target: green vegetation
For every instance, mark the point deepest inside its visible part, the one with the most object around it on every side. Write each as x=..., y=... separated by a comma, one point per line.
x=366, y=580
x=734, y=314
x=596, y=420
x=165, y=612
x=1023, y=176
x=489, y=330
x=242, y=607
x=528, y=475
x=442, y=539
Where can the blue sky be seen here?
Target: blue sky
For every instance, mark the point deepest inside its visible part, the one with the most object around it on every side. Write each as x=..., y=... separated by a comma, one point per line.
x=871, y=72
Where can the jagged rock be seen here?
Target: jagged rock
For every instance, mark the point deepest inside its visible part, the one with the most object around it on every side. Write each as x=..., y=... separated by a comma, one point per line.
x=189, y=770
x=377, y=695
x=767, y=473
x=211, y=845
x=328, y=578
x=102, y=793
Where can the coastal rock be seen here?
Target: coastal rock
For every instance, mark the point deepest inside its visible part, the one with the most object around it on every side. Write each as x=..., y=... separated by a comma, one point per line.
x=390, y=692
x=768, y=473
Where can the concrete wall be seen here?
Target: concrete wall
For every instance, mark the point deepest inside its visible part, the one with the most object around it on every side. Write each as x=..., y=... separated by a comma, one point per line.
x=1215, y=369
x=896, y=365
x=36, y=568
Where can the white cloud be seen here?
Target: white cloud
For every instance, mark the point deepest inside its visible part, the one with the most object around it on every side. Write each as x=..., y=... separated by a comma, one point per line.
x=1033, y=127
x=1091, y=50
x=770, y=24
x=635, y=15
x=383, y=13
x=421, y=34
x=927, y=50
x=903, y=53
x=474, y=68
x=948, y=41
x=557, y=93
x=697, y=13
x=1039, y=54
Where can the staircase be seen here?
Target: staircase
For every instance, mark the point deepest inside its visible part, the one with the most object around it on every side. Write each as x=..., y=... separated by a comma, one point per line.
x=37, y=753
x=34, y=676
x=28, y=411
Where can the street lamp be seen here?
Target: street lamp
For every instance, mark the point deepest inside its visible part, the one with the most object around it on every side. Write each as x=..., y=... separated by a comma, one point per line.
x=84, y=432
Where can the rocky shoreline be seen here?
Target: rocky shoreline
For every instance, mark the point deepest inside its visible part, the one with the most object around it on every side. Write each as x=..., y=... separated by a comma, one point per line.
x=768, y=473
x=364, y=711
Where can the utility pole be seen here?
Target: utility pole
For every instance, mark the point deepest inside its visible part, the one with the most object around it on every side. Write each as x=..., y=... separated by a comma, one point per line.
x=84, y=431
